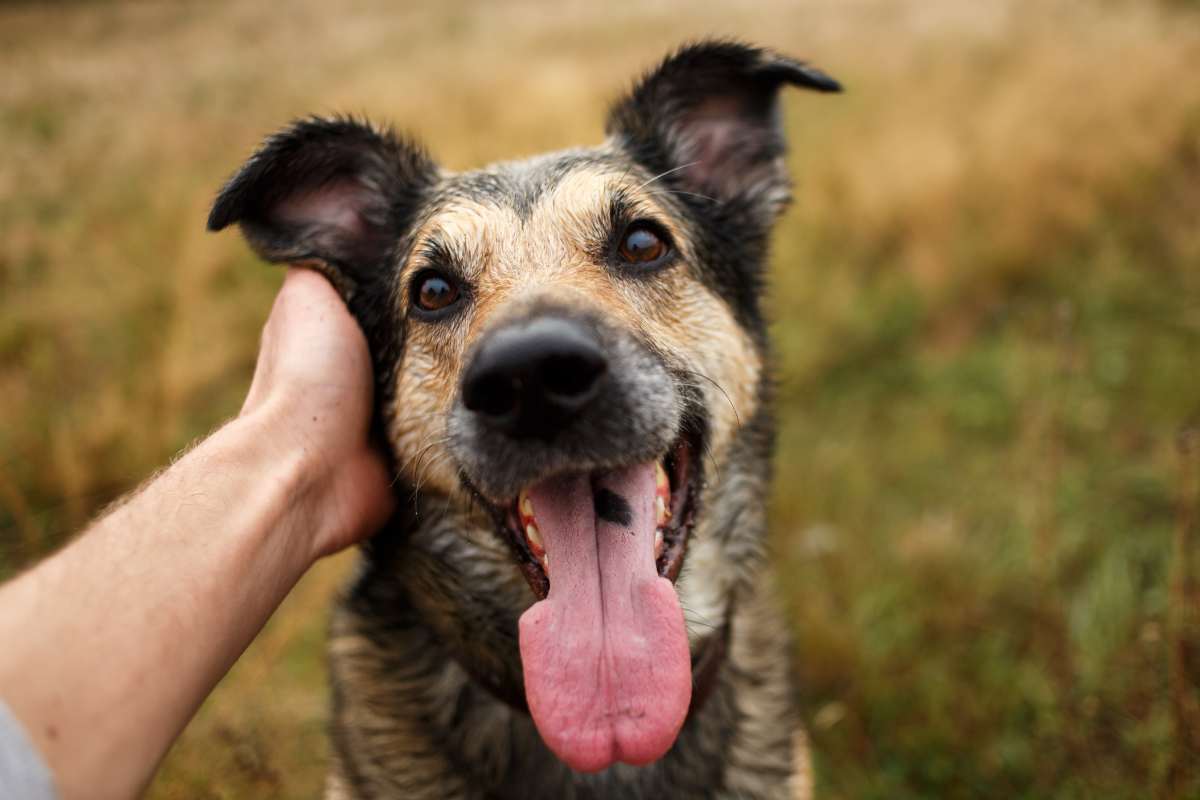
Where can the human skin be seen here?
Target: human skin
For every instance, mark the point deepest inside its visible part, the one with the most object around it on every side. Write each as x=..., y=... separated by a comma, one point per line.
x=111, y=644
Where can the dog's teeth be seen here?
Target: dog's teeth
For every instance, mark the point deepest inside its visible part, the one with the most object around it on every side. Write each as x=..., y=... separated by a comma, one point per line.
x=660, y=510
x=660, y=478
x=658, y=542
x=662, y=495
x=546, y=564
x=525, y=505
x=535, y=539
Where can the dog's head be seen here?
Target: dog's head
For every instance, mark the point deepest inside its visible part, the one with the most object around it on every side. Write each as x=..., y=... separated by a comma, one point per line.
x=571, y=342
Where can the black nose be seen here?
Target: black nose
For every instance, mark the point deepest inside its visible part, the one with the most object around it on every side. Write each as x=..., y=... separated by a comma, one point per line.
x=531, y=379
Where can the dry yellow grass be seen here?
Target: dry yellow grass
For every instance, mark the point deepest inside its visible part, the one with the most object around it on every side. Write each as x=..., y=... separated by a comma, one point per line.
x=983, y=149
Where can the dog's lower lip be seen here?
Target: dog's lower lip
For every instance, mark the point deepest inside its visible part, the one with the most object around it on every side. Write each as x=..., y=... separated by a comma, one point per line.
x=680, y=469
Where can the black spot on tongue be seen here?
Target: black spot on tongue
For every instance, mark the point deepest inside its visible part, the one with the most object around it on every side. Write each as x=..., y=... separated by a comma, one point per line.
x=612, y=507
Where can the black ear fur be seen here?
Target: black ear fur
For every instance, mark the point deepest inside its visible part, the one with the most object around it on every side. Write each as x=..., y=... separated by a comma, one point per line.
x=334, y=193
x=709, y=115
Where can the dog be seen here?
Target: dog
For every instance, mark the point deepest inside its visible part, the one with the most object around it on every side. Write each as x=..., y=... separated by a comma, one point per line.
x=573, y=384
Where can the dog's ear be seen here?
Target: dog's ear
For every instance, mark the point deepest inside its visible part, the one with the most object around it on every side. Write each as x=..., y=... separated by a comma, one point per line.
x=708, y=118
x=334, y=194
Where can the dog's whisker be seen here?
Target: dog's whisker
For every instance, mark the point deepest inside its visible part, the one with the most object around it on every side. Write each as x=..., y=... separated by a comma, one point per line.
x=737, y=417
x=707, y=452
x=419, y=480
x=417, y=491
x=625, y=173
x=713, y=459
x=436, y=461
x=688, y=194
x=429, y=443
x=472, y=506
x=665, y=174
x=696, y=618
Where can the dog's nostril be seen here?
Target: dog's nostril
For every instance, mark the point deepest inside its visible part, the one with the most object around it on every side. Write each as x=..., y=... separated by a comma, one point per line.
x=494, y=395
x=572, y=377
x=532, y=378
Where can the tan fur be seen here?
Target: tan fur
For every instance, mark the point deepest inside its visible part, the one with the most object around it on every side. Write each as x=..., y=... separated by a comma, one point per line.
x=519, y=262
x=516, y=262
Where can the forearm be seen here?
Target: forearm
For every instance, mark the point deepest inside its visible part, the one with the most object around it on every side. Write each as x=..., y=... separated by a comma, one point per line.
x=136, y=621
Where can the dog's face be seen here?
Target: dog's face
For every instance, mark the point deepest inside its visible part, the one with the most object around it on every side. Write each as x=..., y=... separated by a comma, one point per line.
x=570, y=344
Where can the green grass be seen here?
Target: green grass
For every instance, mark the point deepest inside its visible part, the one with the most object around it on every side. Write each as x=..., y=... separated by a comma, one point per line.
x=987, y=304
x=979, y=536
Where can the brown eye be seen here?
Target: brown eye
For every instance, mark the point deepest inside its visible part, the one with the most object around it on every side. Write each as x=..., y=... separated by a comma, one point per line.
x=642, y=245
x=433, y=292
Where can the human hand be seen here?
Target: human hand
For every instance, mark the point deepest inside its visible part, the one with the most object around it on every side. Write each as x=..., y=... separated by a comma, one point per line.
x=313, y=394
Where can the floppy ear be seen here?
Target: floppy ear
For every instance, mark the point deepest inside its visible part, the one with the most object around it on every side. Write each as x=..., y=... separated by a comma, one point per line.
x=334, y=194
x=708, y=117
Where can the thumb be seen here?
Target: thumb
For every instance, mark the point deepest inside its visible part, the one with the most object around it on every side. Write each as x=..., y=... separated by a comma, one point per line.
x=366, y=485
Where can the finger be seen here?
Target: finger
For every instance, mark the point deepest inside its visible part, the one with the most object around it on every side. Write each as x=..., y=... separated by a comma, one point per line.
x=304, y=283
x=315, y=298
x=268, y=347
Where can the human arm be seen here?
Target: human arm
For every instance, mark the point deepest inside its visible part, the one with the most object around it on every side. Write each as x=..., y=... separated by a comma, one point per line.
x=111, y=644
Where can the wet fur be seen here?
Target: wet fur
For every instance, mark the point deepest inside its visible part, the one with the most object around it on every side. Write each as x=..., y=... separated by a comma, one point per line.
x=428, y=693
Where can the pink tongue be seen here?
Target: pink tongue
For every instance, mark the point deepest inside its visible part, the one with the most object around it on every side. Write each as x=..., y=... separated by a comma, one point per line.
x=607, y=671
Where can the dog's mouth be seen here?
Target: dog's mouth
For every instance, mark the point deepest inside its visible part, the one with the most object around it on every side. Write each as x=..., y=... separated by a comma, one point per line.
x=604, y=651
x=675, y=490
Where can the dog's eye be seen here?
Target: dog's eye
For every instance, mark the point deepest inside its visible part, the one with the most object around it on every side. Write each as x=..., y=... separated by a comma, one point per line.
x=642, y=245
x=434, y=292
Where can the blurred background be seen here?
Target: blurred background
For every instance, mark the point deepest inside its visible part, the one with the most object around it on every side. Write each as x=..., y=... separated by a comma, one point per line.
x=987, y=304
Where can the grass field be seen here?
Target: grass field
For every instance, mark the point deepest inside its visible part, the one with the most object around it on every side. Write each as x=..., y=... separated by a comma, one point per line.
x=987, y=296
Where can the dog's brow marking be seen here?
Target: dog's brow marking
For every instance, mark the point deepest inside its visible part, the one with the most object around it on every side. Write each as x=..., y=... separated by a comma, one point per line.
x=612, y=507
x=665, y=174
